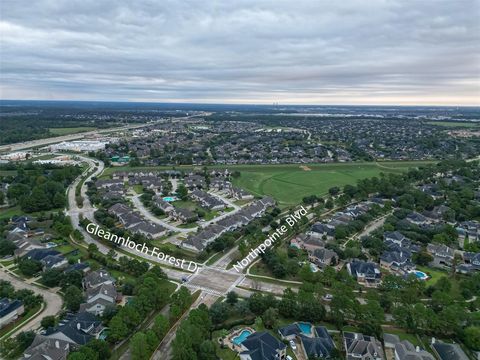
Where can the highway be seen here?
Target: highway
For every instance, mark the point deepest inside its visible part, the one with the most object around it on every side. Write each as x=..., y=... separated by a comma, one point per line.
x=59, y=139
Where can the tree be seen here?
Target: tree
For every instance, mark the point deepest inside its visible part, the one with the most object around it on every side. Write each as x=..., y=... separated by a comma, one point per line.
x=59, y=200
x=270, y=318
x=52, y=277
x=152, y=340
x=48, y=321
x=207, y=351
x=100, y=348
x=232, y=298
x=334, y=190
x=83, y=353
x=29, y=267
x=219, y=312
x=73, y=297
x=182, y=192
x=7, y=247
x=160, y=326
x=422, y=258
x=118, y=330
x=471, y=336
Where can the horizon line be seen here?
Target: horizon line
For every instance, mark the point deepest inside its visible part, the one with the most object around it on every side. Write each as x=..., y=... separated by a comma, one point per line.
x=232, y=103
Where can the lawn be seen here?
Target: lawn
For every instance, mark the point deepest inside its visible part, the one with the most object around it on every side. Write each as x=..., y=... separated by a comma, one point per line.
x=435, y=274
x=138, y=189
x=288, y=184
x=7, y=213
x=190, y=205
x=70, y=130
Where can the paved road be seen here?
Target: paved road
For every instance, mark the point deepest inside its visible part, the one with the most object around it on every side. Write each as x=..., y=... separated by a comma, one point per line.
x=58, y=139
x=53, y=301
x=226, y=259
x=145, y=213
x=87, y=210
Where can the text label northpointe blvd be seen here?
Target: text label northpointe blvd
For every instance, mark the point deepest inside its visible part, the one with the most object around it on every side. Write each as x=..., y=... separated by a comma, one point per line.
x=291, y=220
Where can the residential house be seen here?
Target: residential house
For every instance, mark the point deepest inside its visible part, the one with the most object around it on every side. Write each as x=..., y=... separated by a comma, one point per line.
x=442, y=255
x=78, y=329
x=323, y=257
x=184, y=215
x=54, y=262
x=44, y=348
x=469, y=230
x=395, y=237
x=417, y=219
x=262, y=346
x=472, y=263
x=320, y=345
x=39, y=254
x=10, y=310
x=405, y=350
x=162, y=204
x=366, y=273
x=240, y=194
x=97, y=278
x=447, y=351
x=207, y=200
x=99, y=298
x=320, y=230
x=358, y=346
x=149, y=229
x=396, y=258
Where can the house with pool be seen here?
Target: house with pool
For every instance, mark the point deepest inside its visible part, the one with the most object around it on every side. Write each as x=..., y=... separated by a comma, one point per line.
x=262, y=346
x=314, y=341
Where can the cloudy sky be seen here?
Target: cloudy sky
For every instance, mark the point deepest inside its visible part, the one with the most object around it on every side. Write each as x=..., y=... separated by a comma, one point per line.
x=258, y=51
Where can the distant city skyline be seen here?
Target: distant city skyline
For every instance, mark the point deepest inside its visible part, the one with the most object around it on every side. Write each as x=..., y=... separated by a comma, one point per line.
x=378, y=52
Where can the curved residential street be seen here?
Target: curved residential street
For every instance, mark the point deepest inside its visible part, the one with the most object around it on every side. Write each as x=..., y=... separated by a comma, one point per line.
x=53, y=301
x=87, y=209
x=145, y=213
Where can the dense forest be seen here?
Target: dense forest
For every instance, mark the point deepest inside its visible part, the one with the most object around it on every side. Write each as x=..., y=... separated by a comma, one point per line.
x=40, y=187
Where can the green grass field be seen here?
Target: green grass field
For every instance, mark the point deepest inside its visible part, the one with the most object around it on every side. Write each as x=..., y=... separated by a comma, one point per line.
x=288, y=184
x=70, y=130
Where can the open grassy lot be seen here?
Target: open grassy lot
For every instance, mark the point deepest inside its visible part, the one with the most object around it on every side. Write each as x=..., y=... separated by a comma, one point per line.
x=288, y=184
x=70, y=130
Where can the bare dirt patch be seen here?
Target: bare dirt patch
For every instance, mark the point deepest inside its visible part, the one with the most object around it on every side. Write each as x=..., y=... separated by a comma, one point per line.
x=305, y=168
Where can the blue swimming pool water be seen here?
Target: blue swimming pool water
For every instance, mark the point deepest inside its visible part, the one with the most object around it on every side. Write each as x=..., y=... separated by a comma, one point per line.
x=169, y=198
x=305, y=328
x=237, y=340
x=420, y=274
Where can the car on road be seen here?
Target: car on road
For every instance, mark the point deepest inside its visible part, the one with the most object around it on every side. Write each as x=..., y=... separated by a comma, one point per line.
x=292, y=345
x=184, y=279
x=327, y=297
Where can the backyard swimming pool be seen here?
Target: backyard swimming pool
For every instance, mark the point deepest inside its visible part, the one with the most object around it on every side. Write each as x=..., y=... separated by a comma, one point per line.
x=419, y=274
x=237, y=340
x=170, y=198
x=305, y=328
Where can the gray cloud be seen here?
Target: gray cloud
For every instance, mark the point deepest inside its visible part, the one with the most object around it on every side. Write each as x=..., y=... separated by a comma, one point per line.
x=375, y=51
